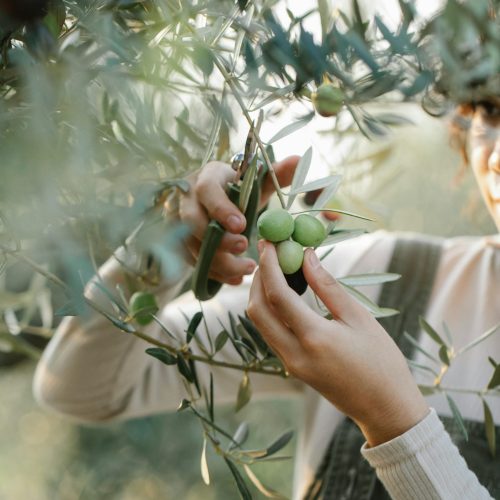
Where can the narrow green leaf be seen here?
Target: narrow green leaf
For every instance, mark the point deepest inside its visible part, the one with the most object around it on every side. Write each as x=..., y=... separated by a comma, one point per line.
x=481, y=338
x=430, y=331
x=314, y=185
x=493, y=363
x=194, y=373
x=211, y=399
x=244, y=393
x=427, y=390
x=336, y=211
x=204, y=465
x=369, y=279
x=265, y=490
x=300, y=175
x=417, y=346
x=248, y=184
x=495, y=379
x=193, y=325
x=291, y=128
x=221, y=340
x=240, y=436
x=489, y=427
x=341, y=235
x=184, y=404
x=327, y=193
x=457, y=416
x=163, y=355
x=443, y=355
x=279, y=444
x=240, y=482
x=184, y=369
x=378, y=312
x=255, y=335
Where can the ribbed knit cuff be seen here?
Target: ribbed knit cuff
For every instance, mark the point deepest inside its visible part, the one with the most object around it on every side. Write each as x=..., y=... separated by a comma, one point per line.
x=408, y=444
x=423, y=463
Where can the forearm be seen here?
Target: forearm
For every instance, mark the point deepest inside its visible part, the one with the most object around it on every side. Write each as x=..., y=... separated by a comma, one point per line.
x=424, y=463
x=90, y=366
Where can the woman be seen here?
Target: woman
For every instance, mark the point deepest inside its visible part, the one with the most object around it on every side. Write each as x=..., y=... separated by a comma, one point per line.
x=347, y=366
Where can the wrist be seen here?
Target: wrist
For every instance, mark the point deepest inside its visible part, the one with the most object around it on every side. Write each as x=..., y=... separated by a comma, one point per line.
x=394, y=421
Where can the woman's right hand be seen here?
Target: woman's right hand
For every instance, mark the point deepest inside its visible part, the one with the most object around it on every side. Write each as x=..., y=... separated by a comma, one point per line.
x=351, y=360
x=207, y=200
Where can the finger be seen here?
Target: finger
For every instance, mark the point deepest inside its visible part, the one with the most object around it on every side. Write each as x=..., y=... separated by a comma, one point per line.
x=280, y=338
x=193, y=214
x=326, y=287
x=287, y=304
x=284, y=170
x=223, y=263
x=210, y=189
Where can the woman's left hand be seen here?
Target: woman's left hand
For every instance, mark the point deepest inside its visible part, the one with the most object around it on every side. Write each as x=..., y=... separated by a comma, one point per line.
x=350, y=360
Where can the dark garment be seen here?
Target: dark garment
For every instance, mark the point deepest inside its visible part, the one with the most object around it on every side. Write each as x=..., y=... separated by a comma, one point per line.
x=344, y=474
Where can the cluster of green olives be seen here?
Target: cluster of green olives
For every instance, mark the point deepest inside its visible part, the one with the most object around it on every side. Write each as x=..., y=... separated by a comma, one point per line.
x=290, y=236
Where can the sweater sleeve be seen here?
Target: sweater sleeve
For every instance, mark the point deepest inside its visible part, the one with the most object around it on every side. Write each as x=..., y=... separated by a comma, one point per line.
x=424, y=463
x=91, y=371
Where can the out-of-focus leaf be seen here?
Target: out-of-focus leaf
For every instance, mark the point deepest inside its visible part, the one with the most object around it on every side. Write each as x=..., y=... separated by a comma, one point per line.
x=489, y=427
x=240, y=482
x=443, y=355
x=279, y=444
x=418, y=347
x=457, y=416
x=430, y=331
x=265, y=490
x=221, y=340
x=427, y=390
x=291, y=128
x=341, y=235
x=163, y=355
x=481, y=338
x=300, y=175
x=368, y=279
x=204, y=465
x=193, y=326
x=378, y=312
x=244, y=393
x=495, y=378
x=184, y=369
x=240, y=436
x=317, y=184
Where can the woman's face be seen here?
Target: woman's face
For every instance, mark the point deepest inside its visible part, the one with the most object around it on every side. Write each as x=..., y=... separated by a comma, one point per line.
x=484, y=149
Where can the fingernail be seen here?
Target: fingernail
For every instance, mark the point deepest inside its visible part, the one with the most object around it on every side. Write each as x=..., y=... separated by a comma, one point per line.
x=313, y=259
x=234, y=223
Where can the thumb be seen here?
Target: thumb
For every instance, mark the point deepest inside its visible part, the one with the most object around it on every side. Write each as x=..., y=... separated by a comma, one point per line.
x=326, y=287
x=284, y=170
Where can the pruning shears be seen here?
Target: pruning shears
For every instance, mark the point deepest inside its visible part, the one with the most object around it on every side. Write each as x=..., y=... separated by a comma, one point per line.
x=244, y=192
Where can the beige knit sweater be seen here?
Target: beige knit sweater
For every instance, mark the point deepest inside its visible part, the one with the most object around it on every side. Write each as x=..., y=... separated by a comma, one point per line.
x=92, y=372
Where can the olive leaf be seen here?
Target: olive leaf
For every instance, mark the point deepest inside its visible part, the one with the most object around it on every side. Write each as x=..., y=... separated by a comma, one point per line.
x=279, y=444
x=300, y=175
x=244, y=393
x=240, y=482
x=193, y=325
x=430, y=331
x=163, y=355
x=341, y=235
x=490, y=429
x=220, y=340
x=204, y=465
x=457, y=416
x=480, y=339
x=378, y=312
x=419, y=348
x=291, y=128
x=265, y=490
x=240, y=436
x=495, y=378
x=314, y=185
x=368, y=279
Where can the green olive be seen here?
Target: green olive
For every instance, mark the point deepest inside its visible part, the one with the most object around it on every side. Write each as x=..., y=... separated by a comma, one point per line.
x=275, y=225
x=290, y=256
x=309, y=231
x=328, y=99
x=142, y=306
